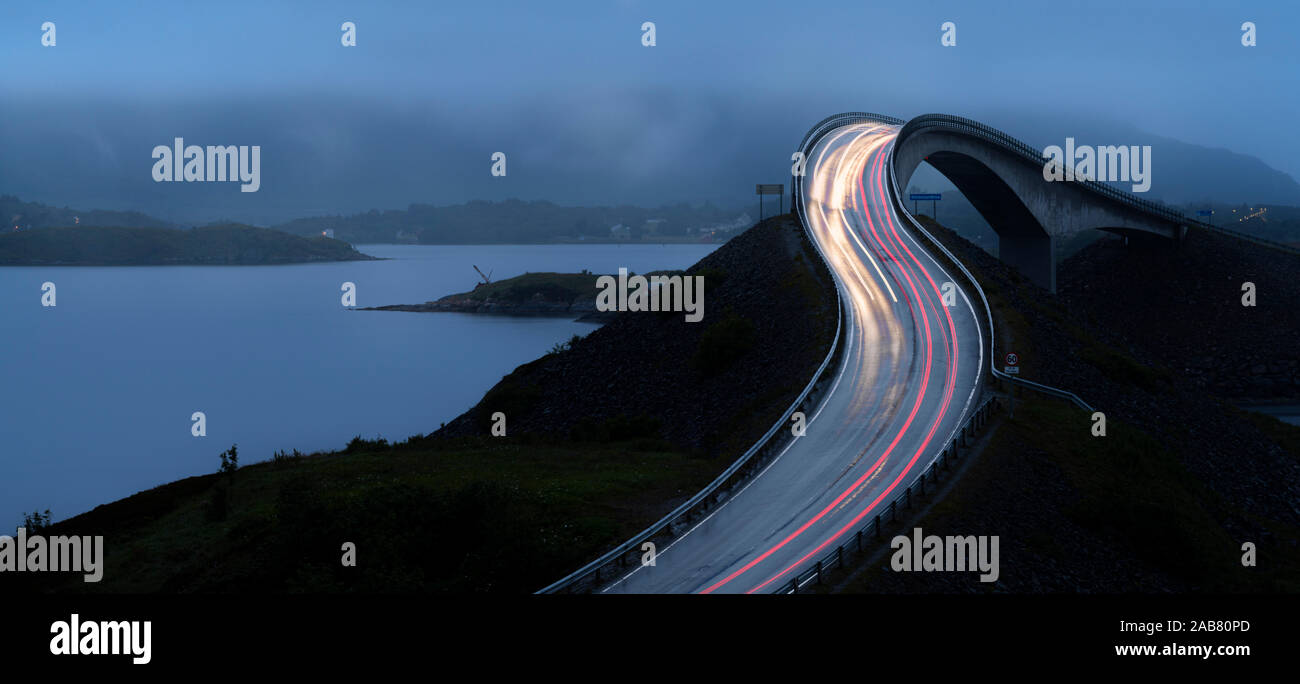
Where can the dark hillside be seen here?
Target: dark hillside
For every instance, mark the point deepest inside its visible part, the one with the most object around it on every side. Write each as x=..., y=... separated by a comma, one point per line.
x=769, y=316
x=1182, y=479
x=1181, y=308
x=224, y=245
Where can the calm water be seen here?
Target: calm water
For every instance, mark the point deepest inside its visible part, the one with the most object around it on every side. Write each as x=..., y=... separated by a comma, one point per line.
x=96, y=393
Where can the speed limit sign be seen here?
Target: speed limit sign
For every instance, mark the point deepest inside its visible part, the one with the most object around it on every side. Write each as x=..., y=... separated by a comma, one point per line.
x=1012, y=359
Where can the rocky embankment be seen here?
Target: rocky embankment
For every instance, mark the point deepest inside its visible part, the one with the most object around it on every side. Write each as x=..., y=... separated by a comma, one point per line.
x=1182, y=308
x=710, y=387
x=1158, y=341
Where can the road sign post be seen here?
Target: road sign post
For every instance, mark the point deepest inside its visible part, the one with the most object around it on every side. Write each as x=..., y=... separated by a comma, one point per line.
x=777, y=189
x=931, y=197
x=1013, y=364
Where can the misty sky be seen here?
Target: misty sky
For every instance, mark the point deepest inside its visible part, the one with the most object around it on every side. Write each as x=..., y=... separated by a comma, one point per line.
x=585, y=113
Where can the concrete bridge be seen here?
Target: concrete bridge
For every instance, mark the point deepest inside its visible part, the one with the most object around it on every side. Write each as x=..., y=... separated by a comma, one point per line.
x=1003, y=178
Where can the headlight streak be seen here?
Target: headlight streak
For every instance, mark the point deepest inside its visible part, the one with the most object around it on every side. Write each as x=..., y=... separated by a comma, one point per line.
x=875, y=148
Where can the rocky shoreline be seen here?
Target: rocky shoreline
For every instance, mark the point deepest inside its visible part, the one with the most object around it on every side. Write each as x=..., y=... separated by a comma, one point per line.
x=570, y=295
x=581, y=309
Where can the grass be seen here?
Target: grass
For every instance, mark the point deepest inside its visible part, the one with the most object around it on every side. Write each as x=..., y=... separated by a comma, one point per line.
x=1123, y=368
x=482, y=515
x=1124, y=488
x=1131, y=489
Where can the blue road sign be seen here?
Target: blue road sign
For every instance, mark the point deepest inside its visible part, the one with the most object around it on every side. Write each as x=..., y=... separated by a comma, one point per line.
x=1204, y=212
x=925, y=197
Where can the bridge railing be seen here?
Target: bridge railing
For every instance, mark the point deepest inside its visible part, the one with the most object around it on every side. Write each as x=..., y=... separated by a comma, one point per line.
x=976, y=420
x=820, y=130
x=596, y=573
x=896, y=196
x=970, y=127
x=857, y=543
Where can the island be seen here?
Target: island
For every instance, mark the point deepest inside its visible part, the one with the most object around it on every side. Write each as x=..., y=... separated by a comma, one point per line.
x=217, y=245
x=530, y=294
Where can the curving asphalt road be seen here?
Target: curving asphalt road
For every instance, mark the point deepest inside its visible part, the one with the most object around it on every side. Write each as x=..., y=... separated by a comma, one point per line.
x=910, y=375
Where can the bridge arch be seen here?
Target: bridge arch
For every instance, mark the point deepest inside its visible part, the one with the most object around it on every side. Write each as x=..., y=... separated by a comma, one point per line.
x=1003, y=179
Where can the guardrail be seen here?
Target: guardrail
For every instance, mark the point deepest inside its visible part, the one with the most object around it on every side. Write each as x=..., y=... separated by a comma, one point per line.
x=986, y=133
x=592, y=575
x=977, y=419
x=836, y=558
x=819, y=131
x=896, y=196
x=1247, y=237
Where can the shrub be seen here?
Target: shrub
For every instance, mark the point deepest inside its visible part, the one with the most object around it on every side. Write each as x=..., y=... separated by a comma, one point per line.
x=281, y=456
x=358, y=444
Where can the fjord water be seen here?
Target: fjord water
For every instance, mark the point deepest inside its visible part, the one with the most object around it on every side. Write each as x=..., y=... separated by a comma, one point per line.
x=97, y=392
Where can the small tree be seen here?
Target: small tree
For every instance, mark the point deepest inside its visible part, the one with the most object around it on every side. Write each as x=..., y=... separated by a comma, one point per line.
x=219, y=505
x=230, y=460
x=36, y=522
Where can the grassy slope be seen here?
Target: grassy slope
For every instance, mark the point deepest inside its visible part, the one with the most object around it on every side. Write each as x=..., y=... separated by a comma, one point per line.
x=477, y=515
x=1070, y=504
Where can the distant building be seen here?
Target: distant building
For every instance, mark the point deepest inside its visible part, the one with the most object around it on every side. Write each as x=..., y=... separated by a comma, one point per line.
x=328, y=232
x=620, y=232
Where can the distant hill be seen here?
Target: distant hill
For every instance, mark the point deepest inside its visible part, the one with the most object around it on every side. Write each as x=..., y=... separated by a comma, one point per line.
x=1181, y=172
x=211, y=245
x=518, y=222
x=31, y=215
